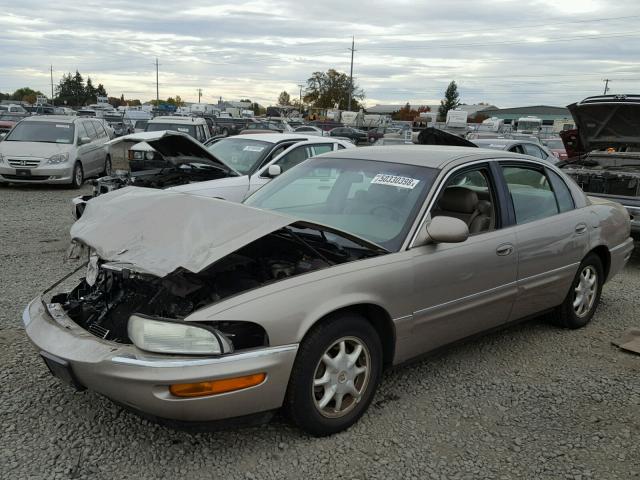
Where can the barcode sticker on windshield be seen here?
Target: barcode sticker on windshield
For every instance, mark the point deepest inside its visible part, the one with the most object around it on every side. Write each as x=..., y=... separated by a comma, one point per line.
x=62, y=126
x=395, y=181
x=251, y=148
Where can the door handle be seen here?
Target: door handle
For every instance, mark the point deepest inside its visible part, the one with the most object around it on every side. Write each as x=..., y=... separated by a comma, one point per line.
x=505, y=249
x=581, y=228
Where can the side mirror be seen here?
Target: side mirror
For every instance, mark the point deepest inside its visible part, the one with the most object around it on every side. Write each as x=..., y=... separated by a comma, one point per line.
x=274, y=170
x=84, y=140
x=447, y=230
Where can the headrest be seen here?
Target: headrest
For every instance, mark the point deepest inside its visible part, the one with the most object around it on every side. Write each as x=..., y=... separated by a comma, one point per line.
x=458, y=199
x=484, y=207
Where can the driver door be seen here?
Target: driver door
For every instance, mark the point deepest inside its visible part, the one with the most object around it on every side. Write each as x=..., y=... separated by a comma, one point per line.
x=464, y=288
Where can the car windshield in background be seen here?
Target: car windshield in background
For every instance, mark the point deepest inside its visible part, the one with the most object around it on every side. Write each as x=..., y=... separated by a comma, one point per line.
x=174, y=127
x=44, y=132
x=11, y=118
x=243, y=155
x=141, y=123
x=555, y=144
x=376, y=201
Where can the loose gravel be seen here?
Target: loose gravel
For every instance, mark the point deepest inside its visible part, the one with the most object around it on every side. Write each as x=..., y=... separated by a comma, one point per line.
x=529, y=402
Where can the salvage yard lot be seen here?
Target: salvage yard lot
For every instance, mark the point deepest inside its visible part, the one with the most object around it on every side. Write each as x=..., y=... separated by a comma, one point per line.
x=531, y=401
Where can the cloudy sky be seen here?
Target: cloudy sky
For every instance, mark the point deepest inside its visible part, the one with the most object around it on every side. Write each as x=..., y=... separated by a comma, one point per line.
x=505, y=52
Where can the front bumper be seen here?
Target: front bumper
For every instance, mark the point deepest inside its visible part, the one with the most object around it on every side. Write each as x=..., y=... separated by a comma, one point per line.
x=45, y=174
x=141, y=381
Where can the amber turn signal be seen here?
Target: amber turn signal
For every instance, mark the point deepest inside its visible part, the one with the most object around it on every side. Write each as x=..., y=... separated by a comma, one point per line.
x=215, y=387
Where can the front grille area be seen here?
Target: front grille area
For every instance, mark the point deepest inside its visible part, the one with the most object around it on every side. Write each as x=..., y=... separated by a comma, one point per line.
x=24, y=163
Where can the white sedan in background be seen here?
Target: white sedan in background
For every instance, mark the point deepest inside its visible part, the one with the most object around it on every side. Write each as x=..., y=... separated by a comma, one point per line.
x=257, y=159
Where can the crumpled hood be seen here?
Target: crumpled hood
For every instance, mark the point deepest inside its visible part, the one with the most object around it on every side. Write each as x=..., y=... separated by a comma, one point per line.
x=158, y=231
x=607, y=121
x=175, y=147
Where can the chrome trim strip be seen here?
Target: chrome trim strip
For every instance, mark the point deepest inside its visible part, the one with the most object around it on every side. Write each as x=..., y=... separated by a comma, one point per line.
x=494, y=289
x=180, y=363
x=468, y=297
x=624, y=244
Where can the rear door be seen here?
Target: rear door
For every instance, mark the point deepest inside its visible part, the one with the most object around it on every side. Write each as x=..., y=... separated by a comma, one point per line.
x=551, y=235
x=464, y=288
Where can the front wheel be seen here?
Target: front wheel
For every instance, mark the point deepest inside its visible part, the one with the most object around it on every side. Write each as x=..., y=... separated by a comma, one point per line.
x=335, y=375
x=77, y=177
x=583, y=298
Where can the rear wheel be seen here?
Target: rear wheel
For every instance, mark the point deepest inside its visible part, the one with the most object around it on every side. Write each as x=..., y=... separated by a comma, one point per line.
x=77, y=177
x=335, y=375
x=583, y=298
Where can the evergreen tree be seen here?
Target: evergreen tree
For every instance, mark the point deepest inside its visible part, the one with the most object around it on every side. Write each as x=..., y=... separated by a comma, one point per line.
x=450, y=102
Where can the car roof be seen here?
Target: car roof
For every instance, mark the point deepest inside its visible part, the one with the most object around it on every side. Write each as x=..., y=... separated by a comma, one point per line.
x=178, y=120
x=51, y=118
x=433, y=156
x=277, y=137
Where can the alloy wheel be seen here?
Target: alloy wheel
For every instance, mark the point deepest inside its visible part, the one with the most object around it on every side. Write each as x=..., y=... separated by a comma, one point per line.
x=341, y=377
x=585, y=291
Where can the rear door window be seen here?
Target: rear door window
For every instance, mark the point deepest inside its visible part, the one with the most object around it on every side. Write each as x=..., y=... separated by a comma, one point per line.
x=531, y=193
x=91, y=131
x=563, y=194
x=322, y=148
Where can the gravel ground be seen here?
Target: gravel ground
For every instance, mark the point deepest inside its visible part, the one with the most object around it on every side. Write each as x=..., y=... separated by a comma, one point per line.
x=531, y=401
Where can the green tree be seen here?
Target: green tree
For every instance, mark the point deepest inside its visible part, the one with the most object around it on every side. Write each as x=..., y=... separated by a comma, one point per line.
x=25, y=94
x=90, y=91
x=450, y=102
x=330, y=89
x=284, y=99
x=100, y=91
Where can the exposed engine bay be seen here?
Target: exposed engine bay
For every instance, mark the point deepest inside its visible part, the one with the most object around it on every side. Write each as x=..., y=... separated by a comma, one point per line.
x=111, y=292
x=615, y=174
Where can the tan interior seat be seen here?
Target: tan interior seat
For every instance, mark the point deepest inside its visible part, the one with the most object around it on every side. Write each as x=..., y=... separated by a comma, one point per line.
x=463, y=203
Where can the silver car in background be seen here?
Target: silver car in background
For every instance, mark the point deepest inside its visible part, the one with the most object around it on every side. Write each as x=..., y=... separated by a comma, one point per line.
x=195, y=309
x=55, y=149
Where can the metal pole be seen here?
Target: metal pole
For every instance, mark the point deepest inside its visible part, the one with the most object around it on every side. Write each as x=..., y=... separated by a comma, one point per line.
x=199, y=94
x=157, y=86
x=52, y=102
x=300, y=105
x=606, y=86
x=353, y=41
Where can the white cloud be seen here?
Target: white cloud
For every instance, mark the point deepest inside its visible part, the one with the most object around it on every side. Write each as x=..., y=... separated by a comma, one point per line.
x=505, y=52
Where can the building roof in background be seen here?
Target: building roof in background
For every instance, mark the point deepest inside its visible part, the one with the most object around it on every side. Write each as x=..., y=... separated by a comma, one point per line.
x=530, y=110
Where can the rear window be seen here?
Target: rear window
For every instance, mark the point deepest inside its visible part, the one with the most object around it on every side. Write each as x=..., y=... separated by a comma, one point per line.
x=175, y=127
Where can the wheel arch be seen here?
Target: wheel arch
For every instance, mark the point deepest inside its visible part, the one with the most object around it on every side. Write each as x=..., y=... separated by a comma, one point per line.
x=605, y=257
x=378, y=317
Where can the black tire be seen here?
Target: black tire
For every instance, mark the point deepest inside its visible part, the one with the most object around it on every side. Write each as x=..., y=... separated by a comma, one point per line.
x=566, y=315
x=300, y=401
x=107, y=167
x=77, y=177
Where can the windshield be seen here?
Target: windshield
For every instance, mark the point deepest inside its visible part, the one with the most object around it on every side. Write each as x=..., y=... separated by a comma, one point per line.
x=528, y=125
x=243, y=155
x=141, y=123
x=175, y=127
x=377, y=201
x=45, y=132
x=555, y=144
x=11, y=118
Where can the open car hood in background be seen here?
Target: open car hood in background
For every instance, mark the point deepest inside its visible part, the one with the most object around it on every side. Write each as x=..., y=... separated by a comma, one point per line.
x=158, y=231
x=434, y=136
x=604, y=122
x=176, y=148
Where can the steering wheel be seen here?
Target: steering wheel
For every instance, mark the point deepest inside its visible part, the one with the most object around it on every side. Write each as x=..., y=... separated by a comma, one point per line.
x=395, y=214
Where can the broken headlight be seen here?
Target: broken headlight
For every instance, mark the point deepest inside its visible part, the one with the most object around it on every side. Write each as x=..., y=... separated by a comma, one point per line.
x=176, y=337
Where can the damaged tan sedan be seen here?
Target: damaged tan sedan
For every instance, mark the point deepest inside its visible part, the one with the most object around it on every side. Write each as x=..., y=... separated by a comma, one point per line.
x=194, y=309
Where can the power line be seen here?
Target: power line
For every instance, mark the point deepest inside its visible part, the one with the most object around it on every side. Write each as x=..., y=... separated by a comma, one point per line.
x=606, y=85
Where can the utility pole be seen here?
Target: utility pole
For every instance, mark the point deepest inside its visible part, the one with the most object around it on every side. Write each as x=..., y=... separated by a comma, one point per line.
x=606, y=85
x=300, y=105
x=353, y=42
x=157, y=86
x=52, y=103
x=199, y=94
